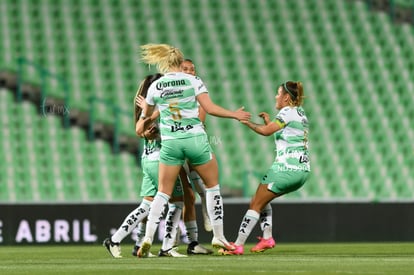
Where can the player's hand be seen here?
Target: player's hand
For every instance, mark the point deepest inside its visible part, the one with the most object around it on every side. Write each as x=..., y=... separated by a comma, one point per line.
x=242, y=115
x=151, y=132
x=265, y=117
x=140, y=101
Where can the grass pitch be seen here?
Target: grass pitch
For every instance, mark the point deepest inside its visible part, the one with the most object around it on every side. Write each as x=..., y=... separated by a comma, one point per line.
x=315, y=259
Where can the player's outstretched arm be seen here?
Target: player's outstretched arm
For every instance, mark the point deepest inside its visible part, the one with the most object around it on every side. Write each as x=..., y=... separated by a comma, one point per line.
x=216, y=110
x=263, y=129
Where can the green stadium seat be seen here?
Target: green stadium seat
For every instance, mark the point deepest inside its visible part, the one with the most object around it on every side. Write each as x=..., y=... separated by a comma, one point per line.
x=241, y=49
x=404, y=3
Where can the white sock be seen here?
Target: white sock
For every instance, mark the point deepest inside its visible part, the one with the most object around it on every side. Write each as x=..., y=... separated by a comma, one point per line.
x=155, y=214
x=171, y=223
x=131, y=221
x=249, y=221
x=266, y=222
x=141, y=233
x=215, y=210
x=192, y=231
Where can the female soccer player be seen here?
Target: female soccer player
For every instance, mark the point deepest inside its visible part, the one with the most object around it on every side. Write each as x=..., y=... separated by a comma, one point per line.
x=149, y=164
x=170, y=238
x=290, y=169
x=189, y=211
x=183, y=137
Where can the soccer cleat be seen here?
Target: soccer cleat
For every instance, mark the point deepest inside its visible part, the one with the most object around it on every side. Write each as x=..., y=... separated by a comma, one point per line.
x=144, y=250
x=194, y=248
x=135, y=250
x=222, y=243
x=163, y=253
x=263, y=244
x=113, y=248
x=172, y=252
x=238, y=251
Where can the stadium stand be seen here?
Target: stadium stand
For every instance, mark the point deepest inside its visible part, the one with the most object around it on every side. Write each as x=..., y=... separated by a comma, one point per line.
x=356, y=66
x=43, y=162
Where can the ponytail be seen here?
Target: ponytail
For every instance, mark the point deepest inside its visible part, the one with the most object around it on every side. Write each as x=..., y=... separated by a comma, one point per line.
x=163, y=56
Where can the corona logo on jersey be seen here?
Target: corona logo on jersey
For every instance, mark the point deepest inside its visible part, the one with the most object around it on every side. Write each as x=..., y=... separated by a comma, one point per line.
x=165, y=84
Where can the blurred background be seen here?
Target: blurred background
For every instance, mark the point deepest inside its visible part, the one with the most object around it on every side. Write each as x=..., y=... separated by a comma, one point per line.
x=69, y=71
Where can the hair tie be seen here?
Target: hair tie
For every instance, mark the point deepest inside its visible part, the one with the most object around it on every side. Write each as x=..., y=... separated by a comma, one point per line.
x=288, y=91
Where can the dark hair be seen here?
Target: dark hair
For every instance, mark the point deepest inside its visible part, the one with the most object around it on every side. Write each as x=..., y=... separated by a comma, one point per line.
x=295, y=91
x=143, y=91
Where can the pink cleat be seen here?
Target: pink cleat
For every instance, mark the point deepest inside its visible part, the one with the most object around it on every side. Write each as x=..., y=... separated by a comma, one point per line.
x=239, y=250
x=263, y=244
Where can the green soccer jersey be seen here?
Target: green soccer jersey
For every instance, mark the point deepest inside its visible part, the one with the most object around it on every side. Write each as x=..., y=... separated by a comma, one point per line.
x=175, y=95
x=151, y=150
x=292, y=140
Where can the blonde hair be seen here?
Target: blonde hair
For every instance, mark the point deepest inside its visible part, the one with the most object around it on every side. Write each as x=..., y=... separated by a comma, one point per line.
x=163, y=56
x=295, y=91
